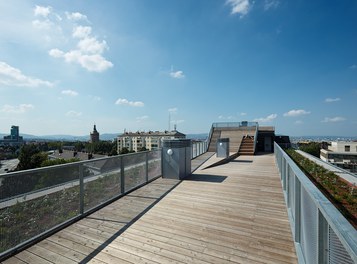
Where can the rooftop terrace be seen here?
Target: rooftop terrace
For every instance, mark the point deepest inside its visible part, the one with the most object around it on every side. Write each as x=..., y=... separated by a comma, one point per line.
x=230, y=213
x=249, y=209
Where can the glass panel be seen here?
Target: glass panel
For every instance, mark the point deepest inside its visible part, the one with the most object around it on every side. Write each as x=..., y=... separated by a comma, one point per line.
x=32, y=202
x=134, y=170
x=154, y=166
x=101, y=181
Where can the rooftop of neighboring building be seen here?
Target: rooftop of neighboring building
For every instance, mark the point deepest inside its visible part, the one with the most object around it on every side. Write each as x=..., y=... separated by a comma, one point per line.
x=174, y=133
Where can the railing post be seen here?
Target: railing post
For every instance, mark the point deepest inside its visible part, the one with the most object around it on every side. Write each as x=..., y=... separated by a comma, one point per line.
x=322, y=239
x=81, y=189
x=147, y=167
x=122, y=176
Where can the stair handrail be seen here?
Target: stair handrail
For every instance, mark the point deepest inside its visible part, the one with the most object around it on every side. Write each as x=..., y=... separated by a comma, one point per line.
x=209, y=137
x=255, y=137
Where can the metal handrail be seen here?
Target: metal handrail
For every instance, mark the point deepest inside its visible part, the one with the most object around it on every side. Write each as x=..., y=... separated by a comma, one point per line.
x=327, y=215
x=234, y=124
x=209, y=137
x=255, y=138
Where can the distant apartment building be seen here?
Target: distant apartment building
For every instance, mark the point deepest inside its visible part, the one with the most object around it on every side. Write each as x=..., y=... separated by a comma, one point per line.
x=342, y=154
x=94, y=136
x=14, y=139
x=148, y=140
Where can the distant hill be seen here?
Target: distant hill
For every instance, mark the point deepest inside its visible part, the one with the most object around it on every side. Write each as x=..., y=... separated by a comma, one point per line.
x=106, y=136
x=202, y=136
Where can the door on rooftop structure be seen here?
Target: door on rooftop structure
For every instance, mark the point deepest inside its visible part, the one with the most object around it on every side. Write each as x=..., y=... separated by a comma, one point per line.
x=267, y=144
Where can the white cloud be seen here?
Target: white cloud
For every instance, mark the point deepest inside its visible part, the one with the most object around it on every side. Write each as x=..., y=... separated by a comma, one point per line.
x=73, y=113
x=331, y=100
x=267, y=119
x=42, y=24
x=298, y=122
x=333, y=119
x=42, y=11
x=221, y=117
x=92, y=45
x=173, y=110
x=243, y=114
x=93, y=62
x=13, y=77
x=13, y=109
x=76, y=16
x=293, y=113
x=239, y=7
x=122, y=101
x=177, y=74
x=56, y=53
x=88, y=53
x=81, y=32
x=141, y=118
x=271, y=4
x=353, y=67
x=69, y=92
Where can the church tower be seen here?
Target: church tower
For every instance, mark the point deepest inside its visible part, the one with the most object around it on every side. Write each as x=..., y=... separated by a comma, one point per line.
x=94, y=136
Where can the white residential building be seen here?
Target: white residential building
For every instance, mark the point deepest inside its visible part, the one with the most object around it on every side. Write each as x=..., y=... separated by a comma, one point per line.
x=148, y=140
x=342, y=154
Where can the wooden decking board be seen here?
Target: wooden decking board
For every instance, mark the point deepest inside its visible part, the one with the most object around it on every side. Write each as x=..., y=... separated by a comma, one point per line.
x=28, y=257
x=50, y=255
x=241, y=219
x=102, y=251
x=87, y=247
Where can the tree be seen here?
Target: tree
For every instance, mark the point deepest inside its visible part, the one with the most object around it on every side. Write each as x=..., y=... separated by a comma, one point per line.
x=142, y=149
x=25, y=158
x=124, y=151
x=312, y=148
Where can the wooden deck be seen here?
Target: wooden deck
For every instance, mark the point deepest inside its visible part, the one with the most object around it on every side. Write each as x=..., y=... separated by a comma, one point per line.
x=230, y=213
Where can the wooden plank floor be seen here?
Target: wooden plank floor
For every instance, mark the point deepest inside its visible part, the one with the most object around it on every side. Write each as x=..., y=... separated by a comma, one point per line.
x=233, y=213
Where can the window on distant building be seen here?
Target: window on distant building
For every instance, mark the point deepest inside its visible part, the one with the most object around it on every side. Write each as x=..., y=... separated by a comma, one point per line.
x=347, y=148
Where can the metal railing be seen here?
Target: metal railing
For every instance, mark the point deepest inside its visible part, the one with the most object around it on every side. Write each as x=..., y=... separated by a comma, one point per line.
x=198, y=148
x=209, y=137
x=256, y=137
x=321, y=233
x=35, y=203
x=234, y=124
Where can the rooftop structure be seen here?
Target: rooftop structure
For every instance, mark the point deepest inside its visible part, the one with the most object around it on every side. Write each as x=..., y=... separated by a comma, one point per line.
x=149, y=140
x=342, y=154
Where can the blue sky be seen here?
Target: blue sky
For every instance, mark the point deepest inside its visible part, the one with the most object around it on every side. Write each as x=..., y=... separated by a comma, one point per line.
x=128, y=64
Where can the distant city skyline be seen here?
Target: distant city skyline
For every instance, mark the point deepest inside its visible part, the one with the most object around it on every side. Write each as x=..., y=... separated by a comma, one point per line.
x=130, y=64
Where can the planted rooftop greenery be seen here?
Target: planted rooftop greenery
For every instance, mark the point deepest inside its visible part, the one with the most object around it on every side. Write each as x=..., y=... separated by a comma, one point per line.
x=340, y=192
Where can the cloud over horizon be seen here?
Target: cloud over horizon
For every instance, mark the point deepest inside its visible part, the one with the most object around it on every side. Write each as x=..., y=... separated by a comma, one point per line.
x=20, y=109
x=333, y=119
x=11, y=76
x=123, y=101
x=294, y=113
x=69, y=92
x=331, y=100
x=267, y=119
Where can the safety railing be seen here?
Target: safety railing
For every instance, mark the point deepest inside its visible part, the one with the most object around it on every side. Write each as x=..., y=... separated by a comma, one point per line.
x=35, y=203
x=256, y=137
x=234, y=124
x=198, y=148
x=209, y=137
x=321, y=233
